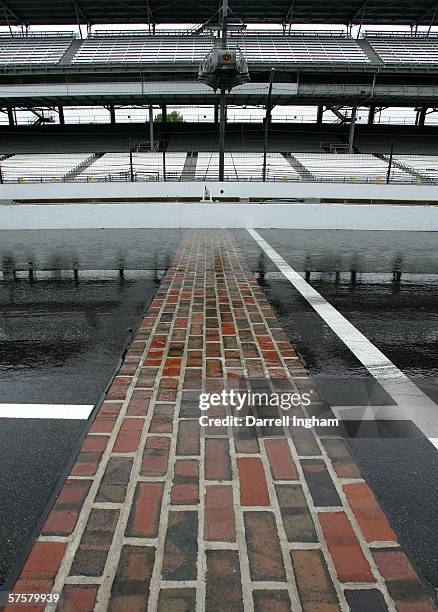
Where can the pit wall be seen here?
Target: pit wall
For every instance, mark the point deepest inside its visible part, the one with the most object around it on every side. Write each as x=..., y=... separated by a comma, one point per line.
x=84, y=215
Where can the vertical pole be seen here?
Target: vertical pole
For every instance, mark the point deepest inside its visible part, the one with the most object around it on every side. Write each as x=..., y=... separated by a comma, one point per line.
x=391, y=155
x=422, y=115
x=223, y=108
x=319, y=115
x=131, y=166
x=352, y=127
x=11, y=116
x=216, y=113
x=267, y=122
x=371, y=115
x=164, y=113
x=164, y=165
x=112, y=114
x=151, y=126
x=61, y=115
x=223, y=119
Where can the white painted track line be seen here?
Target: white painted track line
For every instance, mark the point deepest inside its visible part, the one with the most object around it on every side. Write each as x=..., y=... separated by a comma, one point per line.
x=412, y=403
x=45, y=411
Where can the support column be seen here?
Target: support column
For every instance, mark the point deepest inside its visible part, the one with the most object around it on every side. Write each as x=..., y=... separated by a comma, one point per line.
x=352, y=129
x=112, y=113
x=223, y=106
x=151, y=126
x=61, y=115
x=267, y=122
x=371, y=115
x=223, y=120
x=216, y=113
x=319, y=115
x=422, y=115
x=11, y=118
x=164, y=112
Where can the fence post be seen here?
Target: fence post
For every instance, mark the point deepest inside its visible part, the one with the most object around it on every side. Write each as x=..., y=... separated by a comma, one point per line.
x=131, y=168
x=388, y=176
x=164, y=166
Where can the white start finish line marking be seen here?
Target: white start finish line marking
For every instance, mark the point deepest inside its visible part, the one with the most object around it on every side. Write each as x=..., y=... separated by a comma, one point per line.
x=410, y=402
x=45, y=411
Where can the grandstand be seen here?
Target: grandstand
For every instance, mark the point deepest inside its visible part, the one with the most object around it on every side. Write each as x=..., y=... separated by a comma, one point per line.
x=336, y=70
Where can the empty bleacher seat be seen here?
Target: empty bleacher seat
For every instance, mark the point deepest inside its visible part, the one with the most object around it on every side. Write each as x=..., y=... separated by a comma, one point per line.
x=425, y=165
x=145, y=167
x=245, y=167
x=39, y=168
x=405, y=50
x=344, y=168
x=193, y=49
x=33, y=50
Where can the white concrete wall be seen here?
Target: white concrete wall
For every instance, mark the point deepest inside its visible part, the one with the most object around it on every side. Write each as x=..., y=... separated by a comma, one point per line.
x=89, y=191
x=230, y=215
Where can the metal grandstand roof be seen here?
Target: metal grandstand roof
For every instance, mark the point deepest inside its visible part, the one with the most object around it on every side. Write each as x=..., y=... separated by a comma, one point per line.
x=44, y=12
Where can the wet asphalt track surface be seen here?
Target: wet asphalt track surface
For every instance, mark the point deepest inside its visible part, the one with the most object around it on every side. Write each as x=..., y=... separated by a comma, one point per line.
x=61, y=340
x=400, y=319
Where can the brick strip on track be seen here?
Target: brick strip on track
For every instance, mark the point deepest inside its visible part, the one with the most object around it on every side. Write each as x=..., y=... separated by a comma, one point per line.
x=159, y=513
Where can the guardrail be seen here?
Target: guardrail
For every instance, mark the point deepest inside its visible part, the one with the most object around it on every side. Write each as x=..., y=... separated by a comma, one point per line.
x=334, y=165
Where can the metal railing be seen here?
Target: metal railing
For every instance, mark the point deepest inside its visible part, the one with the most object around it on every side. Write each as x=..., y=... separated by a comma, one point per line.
x=333, y=166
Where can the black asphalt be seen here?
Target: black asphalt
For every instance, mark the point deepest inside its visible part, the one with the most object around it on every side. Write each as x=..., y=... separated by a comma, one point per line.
x=61, y=339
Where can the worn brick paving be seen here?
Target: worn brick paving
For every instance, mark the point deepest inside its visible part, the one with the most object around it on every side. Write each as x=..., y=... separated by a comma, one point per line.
x=162, y=514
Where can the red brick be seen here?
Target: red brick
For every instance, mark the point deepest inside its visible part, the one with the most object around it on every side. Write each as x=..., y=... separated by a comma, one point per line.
x=264, y=551
x=223, y=581
x=177, y=600
x=188, y=442
x=372, y=521
x=118, y=389
x=315, y=587
x=86, y=464
x=139, y=402
x=214, y=368
x=280, y=458
x=115, y=480
x=64, y=514
x=341, y=458
x=219, y=514
x=155, y=456
x=217, y=459
x=130, y=589
x=253, y=487
x=185, y=489
x=277, y=600
x=145, y=512
x=162, y=418
x=109, y=409
x=60, y=522
x=77, y=597
x=394, y=565
x=44, y=560
x=129, y=435
x=402, y=581
x=24, y=585
x=91, y=556
x=103, y=425
x=73, y=493
x=344, y=547
x=95, y=443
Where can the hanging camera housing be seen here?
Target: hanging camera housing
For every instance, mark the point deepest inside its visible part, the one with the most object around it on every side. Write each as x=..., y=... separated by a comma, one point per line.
x=224, y=66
